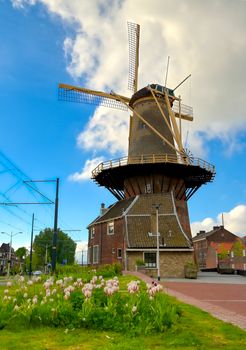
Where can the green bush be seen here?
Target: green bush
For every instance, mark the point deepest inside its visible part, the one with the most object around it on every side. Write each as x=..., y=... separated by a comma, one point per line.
x=100, y=305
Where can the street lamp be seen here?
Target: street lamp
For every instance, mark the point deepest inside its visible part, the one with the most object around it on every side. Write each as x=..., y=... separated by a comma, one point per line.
x=157, y=235
x=10, y=247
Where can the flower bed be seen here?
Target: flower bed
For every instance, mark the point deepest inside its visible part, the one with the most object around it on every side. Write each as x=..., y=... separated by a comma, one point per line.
x=99, y=304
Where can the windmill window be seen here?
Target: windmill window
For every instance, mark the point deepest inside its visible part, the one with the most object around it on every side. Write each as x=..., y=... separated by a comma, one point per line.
x=150, y=260
x=110, y=228
x=148, y=188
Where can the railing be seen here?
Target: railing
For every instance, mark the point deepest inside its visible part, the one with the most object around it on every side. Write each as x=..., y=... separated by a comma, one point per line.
x=151, y=159
x=185, y=110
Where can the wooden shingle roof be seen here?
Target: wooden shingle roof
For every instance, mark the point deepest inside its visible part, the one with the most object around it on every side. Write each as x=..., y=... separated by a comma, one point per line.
x=141, y=220
x=171, y=235
x=114, y=211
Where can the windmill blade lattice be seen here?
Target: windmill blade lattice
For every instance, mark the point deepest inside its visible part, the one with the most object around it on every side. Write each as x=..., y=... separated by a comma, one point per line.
x=70, y=95
x=133, y=38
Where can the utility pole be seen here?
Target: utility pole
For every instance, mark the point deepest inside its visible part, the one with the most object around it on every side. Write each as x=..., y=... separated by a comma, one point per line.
x=54, y=243
x=30, y=266
x=46, y=257
x=157, y=235
x=157, y=242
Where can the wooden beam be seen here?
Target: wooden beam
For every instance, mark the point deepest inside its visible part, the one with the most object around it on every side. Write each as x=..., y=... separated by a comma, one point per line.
x=94, y=92
x=163, y=114
x=150, y=126
x=174, y=124
x=137, y=59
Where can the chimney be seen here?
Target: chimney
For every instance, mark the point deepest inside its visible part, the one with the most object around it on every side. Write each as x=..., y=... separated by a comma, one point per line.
x=201, y=232
x=103, y=210
x=216, y=227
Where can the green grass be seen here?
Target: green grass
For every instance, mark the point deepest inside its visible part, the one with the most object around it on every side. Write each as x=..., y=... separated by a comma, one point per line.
x=196, y=330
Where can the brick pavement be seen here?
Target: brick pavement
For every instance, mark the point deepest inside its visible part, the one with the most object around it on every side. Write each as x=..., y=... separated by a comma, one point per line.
x=211, y=306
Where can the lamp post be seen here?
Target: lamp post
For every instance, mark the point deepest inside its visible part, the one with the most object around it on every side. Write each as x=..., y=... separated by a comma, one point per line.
x=11, y=235
x=157, y=235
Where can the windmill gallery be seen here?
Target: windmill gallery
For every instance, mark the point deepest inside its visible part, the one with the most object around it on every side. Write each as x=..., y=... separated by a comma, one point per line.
x=150, y=220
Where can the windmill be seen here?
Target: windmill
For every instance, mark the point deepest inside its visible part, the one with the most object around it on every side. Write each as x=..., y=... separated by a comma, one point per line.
x=157, y=161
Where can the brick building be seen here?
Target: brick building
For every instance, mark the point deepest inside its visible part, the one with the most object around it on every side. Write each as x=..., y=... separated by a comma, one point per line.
x=121, y=234
x=208, y=245
x=4, y=257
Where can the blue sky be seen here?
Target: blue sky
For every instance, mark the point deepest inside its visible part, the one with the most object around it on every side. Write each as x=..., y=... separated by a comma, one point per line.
x=46, y=42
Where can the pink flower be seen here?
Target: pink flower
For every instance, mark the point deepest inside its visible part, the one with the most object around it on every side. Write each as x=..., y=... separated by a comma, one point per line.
x=133, y=287
x=9, y=284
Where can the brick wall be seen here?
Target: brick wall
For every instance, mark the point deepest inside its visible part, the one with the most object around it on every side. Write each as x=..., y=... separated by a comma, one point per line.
x=109, y=244
x=171, y=263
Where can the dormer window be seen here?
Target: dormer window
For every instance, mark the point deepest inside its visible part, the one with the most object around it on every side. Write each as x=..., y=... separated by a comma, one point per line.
x=110, y=228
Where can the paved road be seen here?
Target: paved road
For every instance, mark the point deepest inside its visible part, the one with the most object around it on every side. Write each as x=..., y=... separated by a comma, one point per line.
x=227, y=291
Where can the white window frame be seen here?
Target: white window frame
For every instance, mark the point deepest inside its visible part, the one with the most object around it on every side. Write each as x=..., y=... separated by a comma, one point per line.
x=92, y=232
x=110, y=225
x=89, y=256
x=95, y=255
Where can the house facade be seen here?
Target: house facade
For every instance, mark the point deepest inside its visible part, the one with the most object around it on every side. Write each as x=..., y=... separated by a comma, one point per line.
x=208, y=246
x=126, y=233
x=4, y=257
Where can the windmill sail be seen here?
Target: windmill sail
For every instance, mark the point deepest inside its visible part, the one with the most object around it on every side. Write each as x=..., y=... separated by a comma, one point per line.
x=81, y=95
x=133, y=38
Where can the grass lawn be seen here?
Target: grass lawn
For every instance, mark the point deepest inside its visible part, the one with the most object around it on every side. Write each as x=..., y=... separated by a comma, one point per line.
x=196, y=329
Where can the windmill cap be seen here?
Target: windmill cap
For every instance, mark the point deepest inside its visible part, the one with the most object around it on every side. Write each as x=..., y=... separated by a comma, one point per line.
x=145, y=92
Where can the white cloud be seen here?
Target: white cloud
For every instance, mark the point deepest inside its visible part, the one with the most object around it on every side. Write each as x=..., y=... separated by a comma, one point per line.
x=22, y=3
x=205, y=38
x=81, y=252
x=106, y=130
x=234, y=221
x=85, y=174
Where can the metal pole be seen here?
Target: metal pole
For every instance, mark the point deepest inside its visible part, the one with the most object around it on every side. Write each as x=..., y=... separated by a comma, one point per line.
x=9, y=261
x=46, y=257
x=168, y=58
x=54, y=244
x=157, y=243
x=30, y=266
x=82, y=258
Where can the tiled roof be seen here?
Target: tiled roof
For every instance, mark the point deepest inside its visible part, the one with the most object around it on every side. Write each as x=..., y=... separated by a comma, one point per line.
x=145, y=204
x=204, y=235
x=171, y=235
x=4, y=247
x=139, y=223
x=114, y=211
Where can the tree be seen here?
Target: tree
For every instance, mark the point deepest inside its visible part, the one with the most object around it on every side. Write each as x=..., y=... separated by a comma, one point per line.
x=42, y=248
x=21, y=253
x=238, y=248
x=223, y=254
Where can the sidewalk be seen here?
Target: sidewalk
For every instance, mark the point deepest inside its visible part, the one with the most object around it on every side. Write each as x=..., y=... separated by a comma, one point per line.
x=219, y=312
